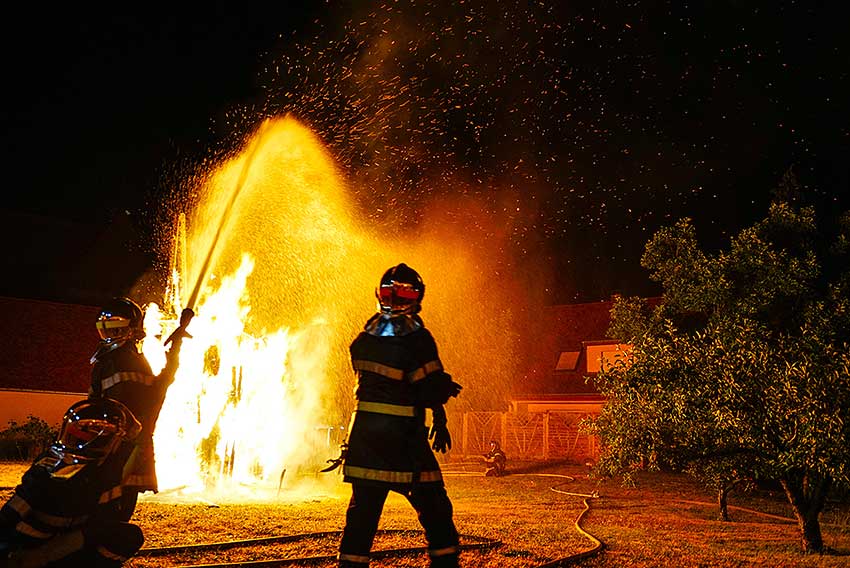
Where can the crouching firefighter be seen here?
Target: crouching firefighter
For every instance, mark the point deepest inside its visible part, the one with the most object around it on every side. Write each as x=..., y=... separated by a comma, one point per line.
x=496, y=460
x=399, y=376
x=60, y=515
x=121, y=372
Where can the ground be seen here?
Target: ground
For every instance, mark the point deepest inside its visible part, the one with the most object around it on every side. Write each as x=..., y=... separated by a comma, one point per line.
x=666, y=520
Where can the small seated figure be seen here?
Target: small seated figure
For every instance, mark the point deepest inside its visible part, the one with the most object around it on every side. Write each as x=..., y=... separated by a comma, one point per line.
x=496, y=460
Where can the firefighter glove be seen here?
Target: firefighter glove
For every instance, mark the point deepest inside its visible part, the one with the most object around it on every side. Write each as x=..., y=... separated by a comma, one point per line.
x=335, y=463
x=442, y=439
x=446, y=388
x=180, y=333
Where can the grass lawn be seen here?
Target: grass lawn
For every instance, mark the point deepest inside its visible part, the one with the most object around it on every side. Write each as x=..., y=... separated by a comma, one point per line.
x=666, y=520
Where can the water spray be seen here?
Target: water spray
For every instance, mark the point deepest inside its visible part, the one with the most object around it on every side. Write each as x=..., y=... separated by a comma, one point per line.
x=240, y=182
x=189, y=312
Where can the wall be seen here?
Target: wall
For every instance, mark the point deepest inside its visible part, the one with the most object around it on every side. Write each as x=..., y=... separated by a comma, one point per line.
x=46, y=345
x=50, y=406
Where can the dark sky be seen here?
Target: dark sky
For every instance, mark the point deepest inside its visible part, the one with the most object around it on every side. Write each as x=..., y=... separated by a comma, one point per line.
x=98, y=102
x=585, y=126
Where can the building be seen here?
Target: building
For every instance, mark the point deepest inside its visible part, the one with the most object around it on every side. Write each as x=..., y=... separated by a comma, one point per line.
x=44, y=359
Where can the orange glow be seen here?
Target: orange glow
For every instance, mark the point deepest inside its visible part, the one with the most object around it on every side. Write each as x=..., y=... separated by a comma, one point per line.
x=290, y=283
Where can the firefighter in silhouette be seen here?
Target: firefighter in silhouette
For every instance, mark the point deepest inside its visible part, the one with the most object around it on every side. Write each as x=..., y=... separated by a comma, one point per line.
x=496, y=460
x=60, y=514
x=399, y=376
x=121, y=372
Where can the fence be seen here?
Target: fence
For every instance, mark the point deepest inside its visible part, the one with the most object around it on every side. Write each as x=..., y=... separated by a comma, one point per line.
x=530, y=435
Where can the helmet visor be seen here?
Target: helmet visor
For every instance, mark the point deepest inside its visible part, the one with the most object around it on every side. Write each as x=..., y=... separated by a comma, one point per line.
x=398, y=296
x=113, y=328
x=90, y=437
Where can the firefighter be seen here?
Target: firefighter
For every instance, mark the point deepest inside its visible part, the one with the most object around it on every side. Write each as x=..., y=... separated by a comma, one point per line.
x=121, y=372
x=399, y=376
x=60, y=514
x=496, y=460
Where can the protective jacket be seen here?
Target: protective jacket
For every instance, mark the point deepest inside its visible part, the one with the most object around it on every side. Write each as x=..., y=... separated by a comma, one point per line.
x=399, y=375
x=125, y=375
x=57, y=497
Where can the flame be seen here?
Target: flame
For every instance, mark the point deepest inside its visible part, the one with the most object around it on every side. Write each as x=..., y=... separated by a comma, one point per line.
x=264, y=384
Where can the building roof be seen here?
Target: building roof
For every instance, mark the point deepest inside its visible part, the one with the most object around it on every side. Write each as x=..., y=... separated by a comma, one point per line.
x=46, y=345
x=559, y=366
x=61, y=260
x=560, y=339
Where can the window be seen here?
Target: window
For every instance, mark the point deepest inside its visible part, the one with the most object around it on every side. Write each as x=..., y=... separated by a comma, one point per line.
x=567, y=361
x=600, y=356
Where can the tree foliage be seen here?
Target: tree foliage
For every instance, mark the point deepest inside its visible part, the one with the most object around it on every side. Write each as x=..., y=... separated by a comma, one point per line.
x=742, y=371
x=25, y=441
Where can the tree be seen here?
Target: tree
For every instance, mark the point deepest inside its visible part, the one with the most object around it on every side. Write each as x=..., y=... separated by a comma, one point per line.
x=743, y=370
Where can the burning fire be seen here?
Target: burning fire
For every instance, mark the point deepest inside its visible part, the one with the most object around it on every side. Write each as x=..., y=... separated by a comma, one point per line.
x=284, y=276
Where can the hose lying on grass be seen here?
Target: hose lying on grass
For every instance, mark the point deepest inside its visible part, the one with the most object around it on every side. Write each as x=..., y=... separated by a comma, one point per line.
x=598, y=545
x=477, y=542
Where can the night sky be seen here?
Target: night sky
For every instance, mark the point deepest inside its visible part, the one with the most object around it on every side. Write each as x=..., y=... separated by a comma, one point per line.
x=584, y=128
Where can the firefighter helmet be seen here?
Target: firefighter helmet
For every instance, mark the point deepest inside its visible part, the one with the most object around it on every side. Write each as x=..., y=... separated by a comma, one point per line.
x=92, y=429
x=120, y=320
x=401, y=291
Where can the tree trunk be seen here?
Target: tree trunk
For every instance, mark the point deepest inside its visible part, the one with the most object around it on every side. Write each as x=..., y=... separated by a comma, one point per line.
x=807, y=494
x=722, y=493
x=723, y=496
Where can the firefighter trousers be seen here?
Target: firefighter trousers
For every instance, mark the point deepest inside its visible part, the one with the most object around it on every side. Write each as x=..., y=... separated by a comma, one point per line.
x=433, y=508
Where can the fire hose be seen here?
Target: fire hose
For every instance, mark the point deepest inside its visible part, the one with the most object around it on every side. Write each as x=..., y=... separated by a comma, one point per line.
x=598, y=545
x=477, y=542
